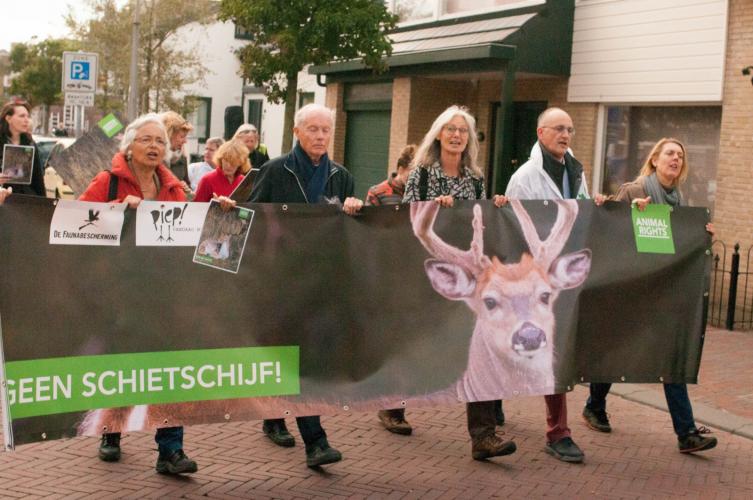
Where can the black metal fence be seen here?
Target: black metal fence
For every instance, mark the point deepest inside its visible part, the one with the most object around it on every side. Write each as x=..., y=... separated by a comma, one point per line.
x=731, y=292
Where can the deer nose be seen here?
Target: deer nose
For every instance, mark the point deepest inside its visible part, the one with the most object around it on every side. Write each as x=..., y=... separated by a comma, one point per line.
x=528, y=338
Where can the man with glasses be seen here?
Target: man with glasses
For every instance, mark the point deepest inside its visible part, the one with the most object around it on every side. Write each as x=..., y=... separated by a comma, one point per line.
x=553, y=173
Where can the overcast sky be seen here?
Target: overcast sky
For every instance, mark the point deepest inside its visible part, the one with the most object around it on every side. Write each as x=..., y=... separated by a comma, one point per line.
x=24, y=19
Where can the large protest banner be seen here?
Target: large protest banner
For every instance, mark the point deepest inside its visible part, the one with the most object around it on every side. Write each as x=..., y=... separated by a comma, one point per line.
x=329, y=312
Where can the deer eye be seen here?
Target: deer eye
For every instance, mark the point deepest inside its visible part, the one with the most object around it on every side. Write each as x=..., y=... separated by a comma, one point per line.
x=544, y=297
x=490, y=303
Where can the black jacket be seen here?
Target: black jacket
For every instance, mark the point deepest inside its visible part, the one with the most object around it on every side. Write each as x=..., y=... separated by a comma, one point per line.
x=37, y=172
x=277, y=183
x=257, y=158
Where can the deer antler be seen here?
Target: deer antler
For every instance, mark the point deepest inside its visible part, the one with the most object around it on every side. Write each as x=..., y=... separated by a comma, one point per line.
x=544, y=252
x=423, y=215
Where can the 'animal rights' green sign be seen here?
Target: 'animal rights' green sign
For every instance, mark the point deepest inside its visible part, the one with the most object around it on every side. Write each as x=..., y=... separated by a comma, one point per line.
x=653, y=229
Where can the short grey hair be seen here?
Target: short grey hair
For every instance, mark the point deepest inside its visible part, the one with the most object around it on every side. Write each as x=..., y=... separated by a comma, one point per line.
x=217, y=141
x=305, y=113
x=244, y=129
x=130, y=132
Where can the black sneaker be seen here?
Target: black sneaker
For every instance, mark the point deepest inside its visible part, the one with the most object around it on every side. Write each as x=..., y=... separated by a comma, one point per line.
x=597, y=419
x=322, y=455
x=277, y=432
x=566, y=450
x=177, y=463
x=696, y=442
x=109, y=447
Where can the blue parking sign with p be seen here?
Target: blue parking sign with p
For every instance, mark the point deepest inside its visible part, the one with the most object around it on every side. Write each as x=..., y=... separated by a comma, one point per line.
x=80, y=70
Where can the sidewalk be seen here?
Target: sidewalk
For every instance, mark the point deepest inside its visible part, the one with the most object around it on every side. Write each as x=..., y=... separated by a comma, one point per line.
x=638, y=460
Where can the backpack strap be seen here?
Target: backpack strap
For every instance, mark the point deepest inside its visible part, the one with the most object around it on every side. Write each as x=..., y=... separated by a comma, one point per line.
x=112, y=190
x=479, y=185
x=423, y=183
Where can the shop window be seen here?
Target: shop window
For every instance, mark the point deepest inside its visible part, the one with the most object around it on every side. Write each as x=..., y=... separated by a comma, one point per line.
x=633, y=130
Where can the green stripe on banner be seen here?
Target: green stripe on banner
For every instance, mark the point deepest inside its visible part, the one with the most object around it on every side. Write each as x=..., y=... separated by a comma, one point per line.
x=61, y=385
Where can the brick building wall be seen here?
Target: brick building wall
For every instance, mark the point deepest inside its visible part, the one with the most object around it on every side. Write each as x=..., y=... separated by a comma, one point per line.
x=733, y=206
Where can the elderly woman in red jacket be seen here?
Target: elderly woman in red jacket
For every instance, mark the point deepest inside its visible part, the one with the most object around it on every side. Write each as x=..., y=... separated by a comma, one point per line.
x=138, y=173
x=138, y=169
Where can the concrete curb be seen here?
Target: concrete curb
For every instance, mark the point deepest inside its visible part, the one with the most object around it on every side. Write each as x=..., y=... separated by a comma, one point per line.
x=708, y=415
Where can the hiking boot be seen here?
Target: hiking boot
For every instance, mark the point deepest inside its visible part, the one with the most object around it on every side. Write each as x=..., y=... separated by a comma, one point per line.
x=109, y=447
x=696, y=442
x=491, y=446
x=177, y=463
x=322, y=454
x=277, y=431
x=394, y=421
x=565, y=449
x=597, y=419
x=499, y=414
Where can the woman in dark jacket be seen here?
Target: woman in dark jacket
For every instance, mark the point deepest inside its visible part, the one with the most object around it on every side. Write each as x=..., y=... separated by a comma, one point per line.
x=15, y=129
x=658, y=182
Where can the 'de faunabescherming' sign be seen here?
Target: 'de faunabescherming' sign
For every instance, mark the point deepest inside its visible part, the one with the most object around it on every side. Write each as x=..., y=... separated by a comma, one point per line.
x=412, y=304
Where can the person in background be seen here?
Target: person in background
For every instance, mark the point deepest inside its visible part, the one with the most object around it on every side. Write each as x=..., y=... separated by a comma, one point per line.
x=138, y=174
x=664, y=170
x=232, y=163
x=390, y=191
x=199, y=169
x=15, y=129
x=250, y=136
x=177, y=130
x=447, y=169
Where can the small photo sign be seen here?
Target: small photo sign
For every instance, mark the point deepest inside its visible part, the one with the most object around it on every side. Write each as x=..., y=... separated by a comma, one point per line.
x=653, y=229
x=223, y=237
x=18, y=163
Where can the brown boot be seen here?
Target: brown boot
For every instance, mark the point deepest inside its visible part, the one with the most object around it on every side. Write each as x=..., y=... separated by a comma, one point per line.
x=394, y=421
x=491, y=446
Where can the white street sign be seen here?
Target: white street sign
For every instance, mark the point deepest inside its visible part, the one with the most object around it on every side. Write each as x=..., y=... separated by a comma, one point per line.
x=79, y=99
x=80, y=72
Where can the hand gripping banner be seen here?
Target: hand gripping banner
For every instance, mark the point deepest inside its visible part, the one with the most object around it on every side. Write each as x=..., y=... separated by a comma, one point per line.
x=401, y=305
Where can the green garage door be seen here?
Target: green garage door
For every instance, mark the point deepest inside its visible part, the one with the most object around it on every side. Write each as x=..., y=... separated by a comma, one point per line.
x=367, y=144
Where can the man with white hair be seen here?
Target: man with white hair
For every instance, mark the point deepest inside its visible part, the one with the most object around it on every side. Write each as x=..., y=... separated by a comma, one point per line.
x=306, y=175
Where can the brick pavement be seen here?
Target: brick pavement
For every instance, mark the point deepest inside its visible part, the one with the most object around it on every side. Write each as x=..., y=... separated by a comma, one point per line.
x=638, y=460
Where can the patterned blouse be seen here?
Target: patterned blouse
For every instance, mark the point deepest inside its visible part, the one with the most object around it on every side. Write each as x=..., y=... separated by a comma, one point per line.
x=439, y=184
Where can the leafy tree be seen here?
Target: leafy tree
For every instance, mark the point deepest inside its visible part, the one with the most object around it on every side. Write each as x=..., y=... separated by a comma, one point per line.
x=288, y=35
x=164, y=68
x=39, y=69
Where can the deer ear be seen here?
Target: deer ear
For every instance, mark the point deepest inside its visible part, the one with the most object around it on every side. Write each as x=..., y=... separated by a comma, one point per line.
x=571, y=270
x=450, y=280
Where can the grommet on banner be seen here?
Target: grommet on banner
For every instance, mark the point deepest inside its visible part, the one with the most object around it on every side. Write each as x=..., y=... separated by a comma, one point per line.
x=515, y=393
x=671, y=208
x=546, y=203
x=346, y=407
x=104, y=428
x=705, y=294
x=44, y=435
x=403, y=403
x=622, y=378
x=286, y=413
x=55, y=202
x=227, y=416
x=164, y=421
x=583, y=379
x=569, y=388
x=284, y=208
x=3, y=383
x=708, y=252
x=661, y=379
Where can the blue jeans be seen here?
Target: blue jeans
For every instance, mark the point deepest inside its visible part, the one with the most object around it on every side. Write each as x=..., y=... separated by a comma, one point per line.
x=169, y=440
x=678, y=403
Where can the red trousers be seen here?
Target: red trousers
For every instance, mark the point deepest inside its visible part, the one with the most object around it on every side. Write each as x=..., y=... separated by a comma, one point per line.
x=556, y=417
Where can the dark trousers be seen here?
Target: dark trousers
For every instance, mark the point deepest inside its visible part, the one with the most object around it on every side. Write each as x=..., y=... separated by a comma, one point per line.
x=678, y=403
x=480, y=416
x=169, y=440
x=310, y=428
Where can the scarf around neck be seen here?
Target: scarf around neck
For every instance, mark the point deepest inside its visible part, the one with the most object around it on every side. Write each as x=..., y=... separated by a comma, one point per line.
x=314, y=177
x=659, y=194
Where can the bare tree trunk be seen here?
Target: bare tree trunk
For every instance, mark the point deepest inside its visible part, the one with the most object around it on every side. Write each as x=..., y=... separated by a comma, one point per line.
x=290, y=104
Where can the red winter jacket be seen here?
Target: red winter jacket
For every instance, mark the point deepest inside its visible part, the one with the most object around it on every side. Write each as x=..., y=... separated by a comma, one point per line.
x=170, y=189
x=215, y=182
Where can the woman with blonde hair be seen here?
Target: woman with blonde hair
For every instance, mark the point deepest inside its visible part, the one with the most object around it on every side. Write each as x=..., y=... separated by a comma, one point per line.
x=232, y=163
x=257, y=153
x=664, y=170
x=177, y=132
x=446, y=161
